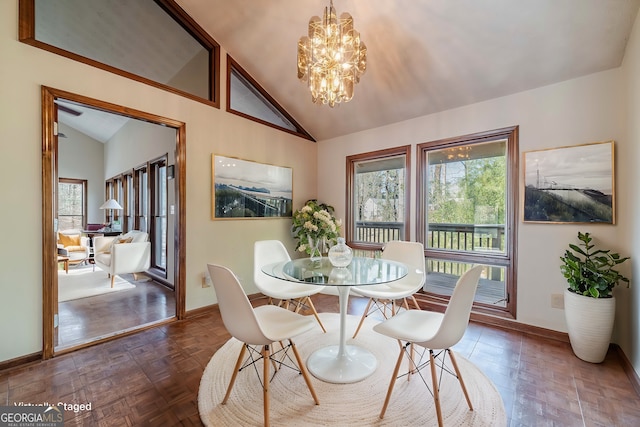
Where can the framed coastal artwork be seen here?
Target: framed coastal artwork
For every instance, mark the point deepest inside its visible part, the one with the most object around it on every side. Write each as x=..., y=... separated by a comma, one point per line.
x=570, y=184
x=247, y=189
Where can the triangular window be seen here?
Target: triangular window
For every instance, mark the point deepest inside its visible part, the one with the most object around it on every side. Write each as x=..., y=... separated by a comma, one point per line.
x=246, y=98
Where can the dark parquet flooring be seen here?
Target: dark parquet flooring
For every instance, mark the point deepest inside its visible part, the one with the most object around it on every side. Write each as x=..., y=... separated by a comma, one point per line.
x=151, y=378
x=87, y=319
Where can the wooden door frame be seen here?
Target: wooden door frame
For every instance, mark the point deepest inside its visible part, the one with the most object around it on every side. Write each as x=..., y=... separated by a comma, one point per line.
x=49, y=191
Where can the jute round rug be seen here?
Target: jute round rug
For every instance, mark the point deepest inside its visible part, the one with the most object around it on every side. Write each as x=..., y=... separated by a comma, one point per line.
x=356, y=404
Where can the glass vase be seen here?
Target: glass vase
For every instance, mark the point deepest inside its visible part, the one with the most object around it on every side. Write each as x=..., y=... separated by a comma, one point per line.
x=340, y=255
x=314, y=248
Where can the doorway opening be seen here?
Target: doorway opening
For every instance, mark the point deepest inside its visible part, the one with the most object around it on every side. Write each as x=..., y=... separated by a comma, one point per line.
x=95, y=298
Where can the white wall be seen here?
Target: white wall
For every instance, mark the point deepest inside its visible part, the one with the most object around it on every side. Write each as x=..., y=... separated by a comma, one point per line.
x=136, y=143
x=23, y=71
x=82, y=157
x=628, y=313
x=574, y=112
x=133, y=145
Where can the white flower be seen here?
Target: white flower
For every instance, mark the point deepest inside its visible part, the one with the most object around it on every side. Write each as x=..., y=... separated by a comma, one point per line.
x=310, y=226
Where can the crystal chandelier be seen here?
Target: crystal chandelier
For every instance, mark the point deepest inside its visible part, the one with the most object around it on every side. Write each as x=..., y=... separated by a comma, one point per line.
x=332, y=58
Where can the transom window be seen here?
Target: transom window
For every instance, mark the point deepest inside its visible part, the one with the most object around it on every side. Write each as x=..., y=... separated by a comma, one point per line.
x=246, y=98
x=151, y=41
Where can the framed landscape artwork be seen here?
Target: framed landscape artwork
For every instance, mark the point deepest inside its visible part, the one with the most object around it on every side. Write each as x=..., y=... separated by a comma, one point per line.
x=246, y=189
x=570, y=184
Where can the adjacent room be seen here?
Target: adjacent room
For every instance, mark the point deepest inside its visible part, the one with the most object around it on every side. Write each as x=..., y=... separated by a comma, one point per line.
x=332, y=212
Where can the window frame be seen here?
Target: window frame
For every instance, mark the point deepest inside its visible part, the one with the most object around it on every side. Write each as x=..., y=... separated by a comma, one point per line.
x=233, y=65
x=155, y=211
x=351, y=162
x=27, y=35
x=75, y=181
x=509, y=259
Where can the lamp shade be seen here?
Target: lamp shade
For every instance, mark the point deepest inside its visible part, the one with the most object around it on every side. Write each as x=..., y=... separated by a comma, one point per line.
x=111, y=204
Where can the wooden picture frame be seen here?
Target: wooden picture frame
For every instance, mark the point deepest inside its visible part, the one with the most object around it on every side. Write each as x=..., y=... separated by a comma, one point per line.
x=573, y=184
x=243, y=189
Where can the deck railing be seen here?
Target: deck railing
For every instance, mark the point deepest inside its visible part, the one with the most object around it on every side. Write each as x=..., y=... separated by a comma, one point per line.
x=379, y=232
x=467, y=237
x=485, y=238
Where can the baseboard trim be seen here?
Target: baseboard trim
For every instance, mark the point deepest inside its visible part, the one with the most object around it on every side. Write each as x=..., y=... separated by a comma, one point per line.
x=627, y=367
x=503, y=322
x=20, y=361
x=201, y=311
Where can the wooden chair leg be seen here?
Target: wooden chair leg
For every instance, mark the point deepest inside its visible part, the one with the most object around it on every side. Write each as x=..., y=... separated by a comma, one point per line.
x=364, y=316
x=235, y=373
x=303, y=370
x=394, y=376
x=265, y=383
x=113, y=278
x=412, y=364
x=315, y=314
x=436, y=392
x=464, y=388
x=415, y=302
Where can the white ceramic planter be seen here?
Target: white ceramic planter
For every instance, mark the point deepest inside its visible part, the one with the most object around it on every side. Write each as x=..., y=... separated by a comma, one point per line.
x=590, y=324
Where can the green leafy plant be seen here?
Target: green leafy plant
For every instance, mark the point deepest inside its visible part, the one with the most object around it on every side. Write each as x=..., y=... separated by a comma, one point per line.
x=317, y=221
x=590, y=272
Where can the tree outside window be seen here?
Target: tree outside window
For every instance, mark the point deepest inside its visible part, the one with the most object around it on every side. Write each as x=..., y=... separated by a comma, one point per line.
x=377, y=206
x=72, y=208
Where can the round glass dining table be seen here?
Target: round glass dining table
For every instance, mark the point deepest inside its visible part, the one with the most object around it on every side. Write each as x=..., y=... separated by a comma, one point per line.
x=339, y=363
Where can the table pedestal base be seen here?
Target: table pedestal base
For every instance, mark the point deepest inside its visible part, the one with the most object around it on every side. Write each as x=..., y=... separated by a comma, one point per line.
x=350, y=365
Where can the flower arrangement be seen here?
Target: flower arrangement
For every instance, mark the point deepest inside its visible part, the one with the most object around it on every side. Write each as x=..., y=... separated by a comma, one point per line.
x=315, y=221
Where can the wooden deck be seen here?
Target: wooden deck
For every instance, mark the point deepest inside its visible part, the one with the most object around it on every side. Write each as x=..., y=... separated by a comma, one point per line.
x=489, y=291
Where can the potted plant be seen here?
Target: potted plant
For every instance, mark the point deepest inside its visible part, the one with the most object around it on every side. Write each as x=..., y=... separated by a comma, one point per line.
x=313, y=225
x=588, y=302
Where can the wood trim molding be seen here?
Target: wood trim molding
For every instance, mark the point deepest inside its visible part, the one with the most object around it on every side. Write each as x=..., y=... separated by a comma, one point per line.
x=49, y=195
x=231, y=65
x=627, y=367
x=118, y=334
x=27, y=35
x=511, y=134
x=499, y=321
x=20, y=361
x=351, y=161
x=201, y=311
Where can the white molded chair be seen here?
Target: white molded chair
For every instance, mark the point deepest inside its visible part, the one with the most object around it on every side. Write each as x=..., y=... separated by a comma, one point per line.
x=259, y=326
x=433, y=331
x=287, y=293
x=383, y=297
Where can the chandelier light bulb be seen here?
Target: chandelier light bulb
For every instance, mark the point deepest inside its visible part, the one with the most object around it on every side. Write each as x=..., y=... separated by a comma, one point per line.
x=331, y=58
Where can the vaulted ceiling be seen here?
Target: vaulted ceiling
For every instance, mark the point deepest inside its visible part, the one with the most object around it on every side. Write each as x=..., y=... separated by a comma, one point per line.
x=424, y=56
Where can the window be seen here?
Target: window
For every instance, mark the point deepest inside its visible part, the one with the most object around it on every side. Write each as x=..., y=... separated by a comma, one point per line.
x=128, y=206
x=159, y=214
x=378, y=197
x=142, y=193
x=154, y=42
x=141, y=190
x=246, y=98
x=467, y=210
x=72, y=204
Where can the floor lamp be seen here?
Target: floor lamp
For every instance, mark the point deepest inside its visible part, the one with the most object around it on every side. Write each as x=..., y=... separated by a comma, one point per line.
x=113, y=205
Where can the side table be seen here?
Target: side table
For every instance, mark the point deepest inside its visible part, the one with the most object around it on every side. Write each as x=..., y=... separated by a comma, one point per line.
x=65, y=261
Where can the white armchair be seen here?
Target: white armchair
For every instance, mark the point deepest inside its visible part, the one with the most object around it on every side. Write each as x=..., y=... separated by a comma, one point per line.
x=128, y=253
x=72, y=244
